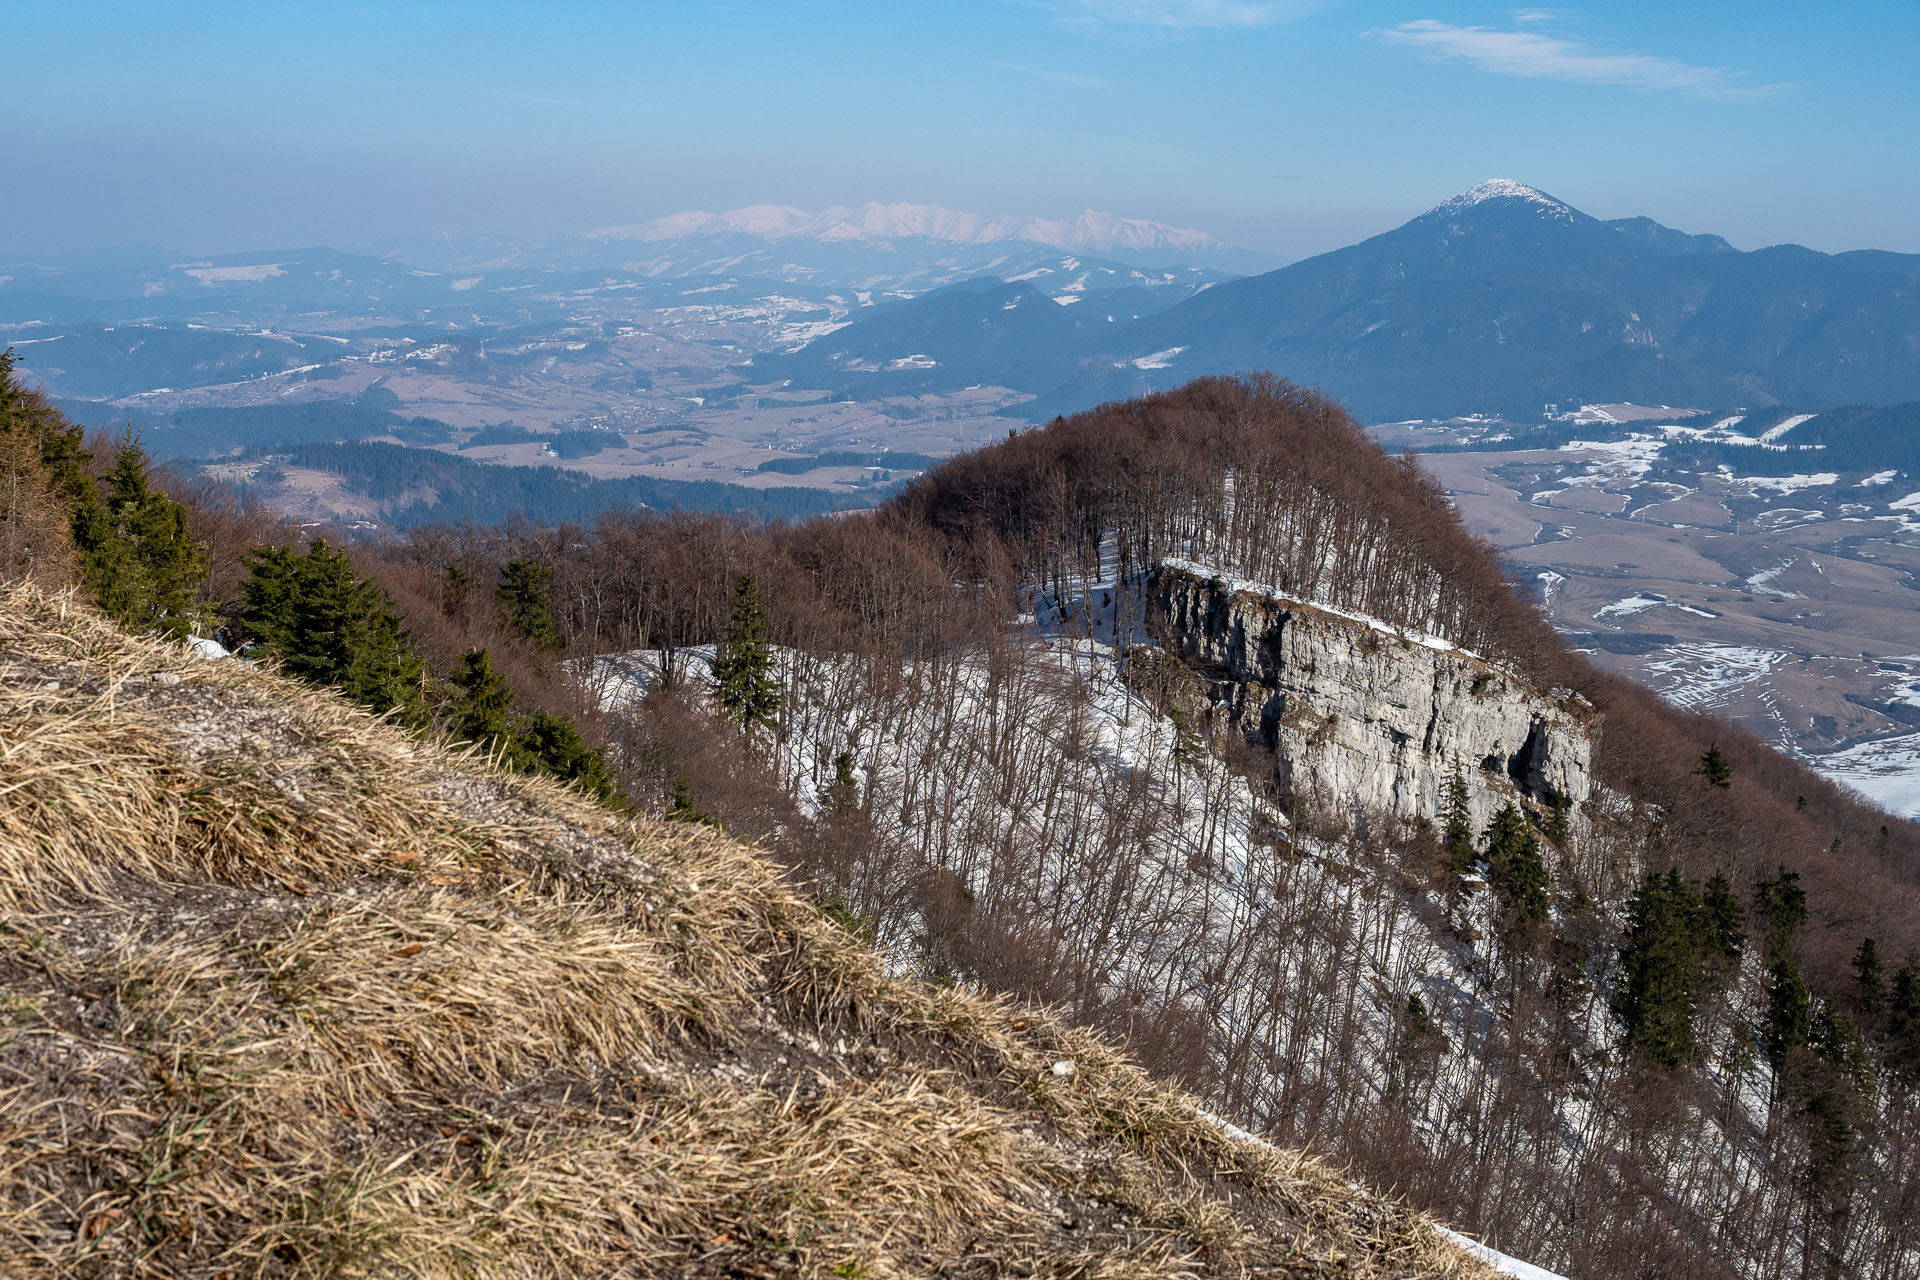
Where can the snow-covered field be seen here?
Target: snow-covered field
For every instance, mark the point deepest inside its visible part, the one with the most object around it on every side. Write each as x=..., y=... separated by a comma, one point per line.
x=1698, y=675
x=1887, y=772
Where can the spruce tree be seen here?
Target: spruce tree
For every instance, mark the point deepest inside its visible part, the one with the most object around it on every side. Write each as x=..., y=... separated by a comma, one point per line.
x=1517, y=871
x=1656, y=999
x=483, y=711
x=1789, y=1021
x=681, y=808
x=526, y=596
x=1782, y=903
x=329, y=626
x=1722, y=921
x=1458, y=831
x=1718, y=771
x=1560, y=822
x=1903, y=1019
x=137, y=557
x=1869, y=980
x=743, y=679
x=842, y=795
x=553, y=745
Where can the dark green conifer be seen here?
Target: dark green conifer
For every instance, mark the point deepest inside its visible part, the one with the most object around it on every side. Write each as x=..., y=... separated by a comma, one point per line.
x=554, y=746
x=36, y=520
x=1458, y=830
x=842, y=795
x=681, y=808
x=743, y=679
x=1869, y=980
x=526, y=597
x=1722, y=921
x=1789, y=1021
x=483, y=711
x=1516, y=869
x=1718, y=771
x=1837, y=1041
x=137, y=557
x=1659, y=957
x=329, y=626
x=1560, y=821
x=1782, y=904
x=1903, y=1019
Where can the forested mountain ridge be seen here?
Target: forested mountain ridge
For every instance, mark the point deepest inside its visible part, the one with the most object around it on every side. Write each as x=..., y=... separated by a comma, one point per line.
x=1686, y=1005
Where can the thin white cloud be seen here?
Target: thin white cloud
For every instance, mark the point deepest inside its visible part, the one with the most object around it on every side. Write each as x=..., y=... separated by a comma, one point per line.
x=1186, y=15
x=1075, y=79
x=1538, y=15
x=1531, y=55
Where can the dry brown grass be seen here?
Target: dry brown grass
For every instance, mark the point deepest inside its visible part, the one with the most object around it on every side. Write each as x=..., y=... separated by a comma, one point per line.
x=286, y=993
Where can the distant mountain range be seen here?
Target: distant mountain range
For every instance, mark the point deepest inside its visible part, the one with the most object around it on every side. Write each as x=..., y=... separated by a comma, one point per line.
x=766, y=254
x=1502, y=299
x=873, y=243
x=1091, y=232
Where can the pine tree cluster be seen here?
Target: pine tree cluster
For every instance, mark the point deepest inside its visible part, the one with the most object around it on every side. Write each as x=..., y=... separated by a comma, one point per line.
x=1677, y=933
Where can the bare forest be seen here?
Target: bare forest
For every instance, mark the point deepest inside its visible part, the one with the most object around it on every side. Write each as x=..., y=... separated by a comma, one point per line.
x=1703, y=1059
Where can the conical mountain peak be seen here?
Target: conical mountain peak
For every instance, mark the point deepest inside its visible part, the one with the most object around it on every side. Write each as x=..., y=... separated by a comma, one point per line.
x=1504, y=190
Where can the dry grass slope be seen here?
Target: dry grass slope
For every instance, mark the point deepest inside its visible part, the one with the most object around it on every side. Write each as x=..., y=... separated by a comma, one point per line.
x=284, y=992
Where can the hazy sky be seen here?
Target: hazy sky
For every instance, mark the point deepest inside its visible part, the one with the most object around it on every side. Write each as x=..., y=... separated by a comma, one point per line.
x=1292, y=126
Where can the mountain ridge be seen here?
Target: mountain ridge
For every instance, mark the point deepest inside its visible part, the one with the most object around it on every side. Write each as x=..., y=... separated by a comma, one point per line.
x=1501, y=300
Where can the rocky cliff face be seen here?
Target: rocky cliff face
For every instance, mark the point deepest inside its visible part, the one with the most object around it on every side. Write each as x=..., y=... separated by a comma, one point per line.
x=1356, y=712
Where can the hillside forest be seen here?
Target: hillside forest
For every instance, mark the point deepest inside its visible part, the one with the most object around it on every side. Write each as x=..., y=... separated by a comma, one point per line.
x=1676, y=1031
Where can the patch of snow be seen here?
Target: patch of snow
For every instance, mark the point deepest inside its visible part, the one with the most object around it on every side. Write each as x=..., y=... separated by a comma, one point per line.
x=1760, y=581
x=1775, y=432
x=1499, y=1261
x=1886, y=771
x=1617, y=461
x=236, y=275
x=1632, y=604
x=1385, y=628
x=1789, y=484
x=1158, y=360
x=1505, y=189
x=1700, y=675
x=1878, y=477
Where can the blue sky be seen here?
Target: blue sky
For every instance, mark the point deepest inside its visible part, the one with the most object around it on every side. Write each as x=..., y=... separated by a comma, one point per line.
x=1292, y=126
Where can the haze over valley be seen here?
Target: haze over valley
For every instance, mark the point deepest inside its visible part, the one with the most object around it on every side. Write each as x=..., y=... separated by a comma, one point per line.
x=808, y=361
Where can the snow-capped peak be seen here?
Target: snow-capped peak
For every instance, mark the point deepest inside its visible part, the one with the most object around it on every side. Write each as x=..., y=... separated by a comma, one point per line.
x=1091, y=232
x=1504, y=189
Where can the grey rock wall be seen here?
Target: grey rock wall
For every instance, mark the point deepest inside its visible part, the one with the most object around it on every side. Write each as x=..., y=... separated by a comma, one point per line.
x=1356, y=713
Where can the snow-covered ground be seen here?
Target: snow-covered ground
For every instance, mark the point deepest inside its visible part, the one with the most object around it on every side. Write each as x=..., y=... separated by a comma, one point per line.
x=1698, y=674
x=1886, y=771
x=1501, y=1262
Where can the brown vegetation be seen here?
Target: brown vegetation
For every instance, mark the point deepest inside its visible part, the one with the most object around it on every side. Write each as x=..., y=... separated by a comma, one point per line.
x=1289, y=1016
x=287, y=993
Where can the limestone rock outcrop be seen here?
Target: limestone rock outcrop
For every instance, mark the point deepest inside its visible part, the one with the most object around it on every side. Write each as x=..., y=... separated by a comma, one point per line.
x=1357, y=712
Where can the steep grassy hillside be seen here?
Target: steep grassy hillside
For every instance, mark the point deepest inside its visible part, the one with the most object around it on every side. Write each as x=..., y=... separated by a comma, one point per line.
x=285, y=992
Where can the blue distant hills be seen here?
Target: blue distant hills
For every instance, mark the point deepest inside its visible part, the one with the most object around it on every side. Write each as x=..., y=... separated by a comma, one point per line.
x=1500, y=300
